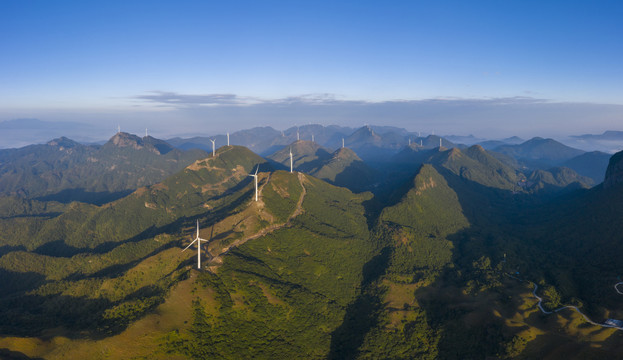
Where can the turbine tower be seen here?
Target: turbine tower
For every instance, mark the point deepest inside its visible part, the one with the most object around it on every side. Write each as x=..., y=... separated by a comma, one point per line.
x=213, y=149
x=145, y=132
x=118, y=128
x=312, y=137
x=342, y=142
x=228, y=139
x=291, y=160
x=255, y=176
x=198, y=240
x=409, y=141
x=439, y=142
x=298, y=135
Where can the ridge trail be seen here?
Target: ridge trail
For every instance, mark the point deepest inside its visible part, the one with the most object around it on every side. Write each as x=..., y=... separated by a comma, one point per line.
x=217, y=259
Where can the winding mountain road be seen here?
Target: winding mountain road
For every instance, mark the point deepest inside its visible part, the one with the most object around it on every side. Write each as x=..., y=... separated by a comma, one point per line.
x=536, y=287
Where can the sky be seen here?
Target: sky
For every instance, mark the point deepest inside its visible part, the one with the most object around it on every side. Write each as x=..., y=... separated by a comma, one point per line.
x=492, y=68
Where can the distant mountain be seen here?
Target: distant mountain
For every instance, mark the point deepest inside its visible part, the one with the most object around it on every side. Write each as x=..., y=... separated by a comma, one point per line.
x=540, y=153
x=591, y=164
x=607, y=135
x=258, y=140
x=492, y=144
x=65, y=170
x=23, y=132
x=467, y=140
x=555, y=179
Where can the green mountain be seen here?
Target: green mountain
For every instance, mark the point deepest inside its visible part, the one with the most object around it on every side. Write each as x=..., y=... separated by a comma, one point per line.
x=64, y=170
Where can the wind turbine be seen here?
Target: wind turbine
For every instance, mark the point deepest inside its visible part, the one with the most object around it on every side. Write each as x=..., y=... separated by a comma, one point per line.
x=213, y=150
x=255, y=176
x=227, y=139
x=342, y=142
x=290, y=159
x=198, y=240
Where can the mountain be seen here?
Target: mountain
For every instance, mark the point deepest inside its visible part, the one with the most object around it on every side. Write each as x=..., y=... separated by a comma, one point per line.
x=492, y=144
x=538, y=152
x=65, y=170
x=344, y=168
x=23, y=132
x=614, y=172
x=556, y=178
x=372, y=146
x=607, y=135
x=591, y=164
x=305, y=155
x=450, y=266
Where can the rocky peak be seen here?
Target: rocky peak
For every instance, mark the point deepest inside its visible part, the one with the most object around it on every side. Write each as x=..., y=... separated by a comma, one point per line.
x=614, y=173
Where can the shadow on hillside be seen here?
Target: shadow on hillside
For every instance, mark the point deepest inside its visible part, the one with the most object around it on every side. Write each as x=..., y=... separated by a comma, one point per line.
x=91, y=197
x=5, y=249
x=8, y=354
x=362, y=314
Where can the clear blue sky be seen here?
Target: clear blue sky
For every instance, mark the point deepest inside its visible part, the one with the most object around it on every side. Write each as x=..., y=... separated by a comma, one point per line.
x=121, y=58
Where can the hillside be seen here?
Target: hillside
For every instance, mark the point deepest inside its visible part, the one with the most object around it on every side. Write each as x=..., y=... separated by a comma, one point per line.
x=344, y=168
x=288, y=267
x=305, y=155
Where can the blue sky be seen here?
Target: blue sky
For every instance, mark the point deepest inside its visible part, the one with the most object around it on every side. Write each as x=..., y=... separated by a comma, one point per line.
x=213, y=63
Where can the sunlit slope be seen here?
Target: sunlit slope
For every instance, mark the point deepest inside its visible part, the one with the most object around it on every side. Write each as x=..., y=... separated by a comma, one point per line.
x=282, y=295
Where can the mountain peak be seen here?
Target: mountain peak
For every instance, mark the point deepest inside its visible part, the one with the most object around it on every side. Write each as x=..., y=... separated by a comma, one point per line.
x=63, y=142
x=122, y=139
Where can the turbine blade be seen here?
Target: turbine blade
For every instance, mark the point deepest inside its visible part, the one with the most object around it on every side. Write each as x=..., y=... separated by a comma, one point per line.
x=258, y=168
x=189, y=245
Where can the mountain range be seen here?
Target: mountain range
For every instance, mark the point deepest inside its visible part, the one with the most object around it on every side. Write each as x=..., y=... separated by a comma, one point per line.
x=389, y=247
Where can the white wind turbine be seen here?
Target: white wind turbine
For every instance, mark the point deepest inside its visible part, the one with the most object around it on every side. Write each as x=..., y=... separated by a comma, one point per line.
x=227, y=139
x=198, y=240
x=255, y=176
x=213, y=149
x=291, y=160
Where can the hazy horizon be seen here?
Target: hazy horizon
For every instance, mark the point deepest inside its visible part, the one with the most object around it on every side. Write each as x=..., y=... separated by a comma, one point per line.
x=491, y=69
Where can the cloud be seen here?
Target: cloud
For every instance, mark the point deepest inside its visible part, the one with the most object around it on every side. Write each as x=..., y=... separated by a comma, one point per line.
x=184, y=100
